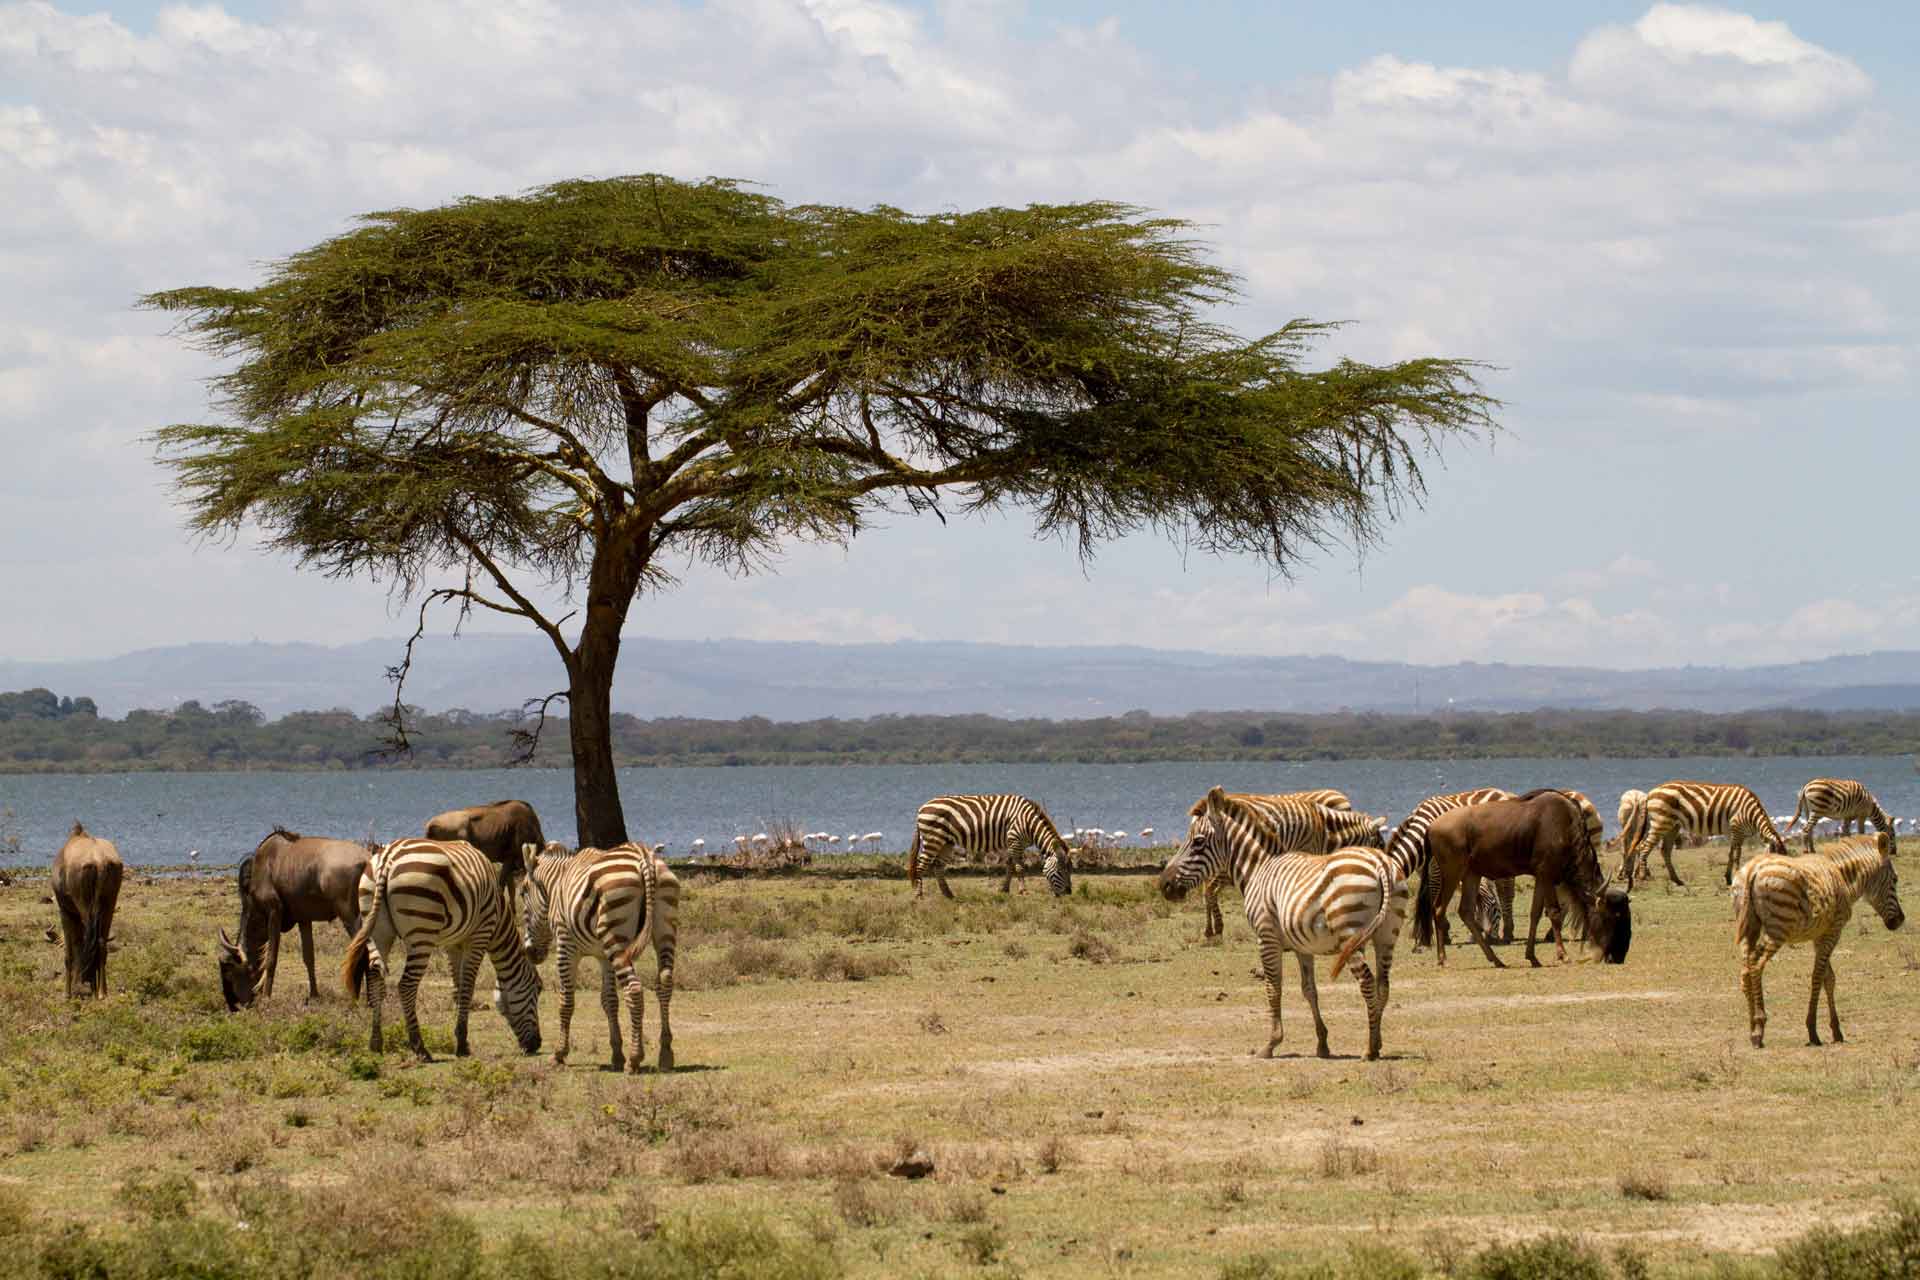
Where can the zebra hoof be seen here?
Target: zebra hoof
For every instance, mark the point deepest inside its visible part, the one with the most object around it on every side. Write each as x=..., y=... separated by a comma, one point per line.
x=1324, y=1052
x=666, y=1057
x=559, y=1057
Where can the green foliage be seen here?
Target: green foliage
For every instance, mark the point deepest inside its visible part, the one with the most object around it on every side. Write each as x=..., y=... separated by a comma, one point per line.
x=149, y=740
x=1554, y=1257
x=228, y=1039
x=1888, y=1249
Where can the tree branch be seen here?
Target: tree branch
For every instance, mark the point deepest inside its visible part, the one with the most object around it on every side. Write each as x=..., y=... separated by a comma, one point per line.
x=526, y=742
x=526, y=607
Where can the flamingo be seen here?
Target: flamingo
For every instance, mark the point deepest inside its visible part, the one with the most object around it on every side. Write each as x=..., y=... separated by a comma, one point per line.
x=872, y=838
x=698, y=845
x=761, y=837
x=193, y=855
x=1146, y=833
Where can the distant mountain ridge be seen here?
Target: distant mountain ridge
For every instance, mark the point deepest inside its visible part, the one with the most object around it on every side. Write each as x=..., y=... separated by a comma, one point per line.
x=793, y=680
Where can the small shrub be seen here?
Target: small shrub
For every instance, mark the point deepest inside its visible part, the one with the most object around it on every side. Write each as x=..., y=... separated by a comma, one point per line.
x=837, y=964
x=1554, y=1257
x=162, y=1197
x=1085, y=946
x=708, y=1157
x=982, y=1244
x=1645, y=1184
x=224, y=1040
x=1339, y=1158
x=1052, y=1154
x=363, y=1066
x=1014, y=951
x=966, y=1206
x=932, y=1023
x=860, y=1204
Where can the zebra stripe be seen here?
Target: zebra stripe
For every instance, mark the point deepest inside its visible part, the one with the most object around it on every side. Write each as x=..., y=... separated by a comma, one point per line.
x=1307, y=903
x=1843, y=799
x=446, y=895
x=1302, y=823
x=1705, y=809
x=610, y=903
x=980, y=827
x=1780, y=901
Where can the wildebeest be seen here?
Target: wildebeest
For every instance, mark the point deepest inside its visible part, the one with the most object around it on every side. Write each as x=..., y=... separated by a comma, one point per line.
x=288, y=880
x=497, y=830
x=86, y=885
x=1543, y=834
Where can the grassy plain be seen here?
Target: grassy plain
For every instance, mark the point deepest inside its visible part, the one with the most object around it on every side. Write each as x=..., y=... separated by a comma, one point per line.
x=1078, y=1071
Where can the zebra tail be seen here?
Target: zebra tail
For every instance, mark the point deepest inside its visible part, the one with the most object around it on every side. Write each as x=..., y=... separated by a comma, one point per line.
x=1800, y=803
x=1746, y=920
x=353, y=968
x=1360, y=939
x=913, y=861
x=649, y=913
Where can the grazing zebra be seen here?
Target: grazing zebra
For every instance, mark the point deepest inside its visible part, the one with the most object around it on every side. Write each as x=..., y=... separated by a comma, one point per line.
x=1842, y=799
x=979, y=827
x=1705, y=809
x=1633, y=825
x=1409, y=853
x=612, y=903
x=1780, y=901
x=1311, y=904
x=430, y=894
x=1303, y=825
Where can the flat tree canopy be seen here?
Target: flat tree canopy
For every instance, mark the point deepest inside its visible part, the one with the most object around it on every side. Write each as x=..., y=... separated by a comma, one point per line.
x=600, y=383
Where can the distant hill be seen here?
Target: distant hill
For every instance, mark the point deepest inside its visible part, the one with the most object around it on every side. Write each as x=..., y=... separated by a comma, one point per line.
x=727, y=679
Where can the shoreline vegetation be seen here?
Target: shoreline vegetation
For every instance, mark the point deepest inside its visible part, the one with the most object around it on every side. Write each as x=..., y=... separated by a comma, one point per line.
x=42, y=733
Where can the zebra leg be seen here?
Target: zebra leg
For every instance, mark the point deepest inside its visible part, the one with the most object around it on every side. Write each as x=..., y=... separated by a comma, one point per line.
x=1823, y=977
x=663, y=992
x=940, y=874
x=1470, y=893
x=1310, y=991
x=567, y=971
x=466, y=971
x=1216, y=925
x=616, y=978
x=1734, y=841
x=410, y=1001
x=1270, y=954
x=1370, y=992
x=1753, y=962
x=1667, y=842
x=1504, y=888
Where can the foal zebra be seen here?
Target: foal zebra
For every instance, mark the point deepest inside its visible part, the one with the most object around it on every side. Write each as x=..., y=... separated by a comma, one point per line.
x=1302, y=824
x=1779, y=901
x=979, y=827
x=430, y=894
x=1307, y=903
x=1842, y=799
x=1409, y=853
x=612, y=903
x=1705, y=809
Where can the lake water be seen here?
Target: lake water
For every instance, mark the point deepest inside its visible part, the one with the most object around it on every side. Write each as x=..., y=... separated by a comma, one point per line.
x=158, y=817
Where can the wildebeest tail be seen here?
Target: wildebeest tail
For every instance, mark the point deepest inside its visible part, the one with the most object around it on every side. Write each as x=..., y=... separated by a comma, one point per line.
x=93, y=936
x=1423, y=909
x=1360, y=939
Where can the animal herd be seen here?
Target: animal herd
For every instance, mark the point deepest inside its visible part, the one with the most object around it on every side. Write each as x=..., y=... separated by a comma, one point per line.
x=1316, y=878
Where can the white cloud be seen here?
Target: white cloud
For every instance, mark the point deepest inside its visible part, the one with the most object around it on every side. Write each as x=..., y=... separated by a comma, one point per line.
x=1685, y=249
x=1697, y=57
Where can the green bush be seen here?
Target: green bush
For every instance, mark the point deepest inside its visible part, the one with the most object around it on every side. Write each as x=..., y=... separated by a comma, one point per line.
x=1888, y=1249
x=223, y=1040
x=1554, y=1257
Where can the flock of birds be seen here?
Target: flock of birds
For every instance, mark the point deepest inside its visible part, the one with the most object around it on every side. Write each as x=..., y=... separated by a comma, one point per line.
x=828, y=842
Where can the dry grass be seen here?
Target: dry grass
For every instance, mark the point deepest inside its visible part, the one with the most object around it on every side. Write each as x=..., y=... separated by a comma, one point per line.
x=1078, y=1070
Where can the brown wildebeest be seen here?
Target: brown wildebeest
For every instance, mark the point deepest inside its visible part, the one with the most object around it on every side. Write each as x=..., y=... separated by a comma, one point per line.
x=86, y=885
x=288, y=880
x=1543, y=834
x=497, y=830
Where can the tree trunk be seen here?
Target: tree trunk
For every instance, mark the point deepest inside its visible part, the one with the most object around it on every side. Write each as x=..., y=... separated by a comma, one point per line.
x=596, y=790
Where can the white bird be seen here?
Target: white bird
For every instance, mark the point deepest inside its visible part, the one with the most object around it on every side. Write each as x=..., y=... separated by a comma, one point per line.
x=659, y=849
x=193, y=855
x=1146, y=833
x=698, y=845
x=761, y=837
x=1118, y=836
x=740, y=842
x=833, y=839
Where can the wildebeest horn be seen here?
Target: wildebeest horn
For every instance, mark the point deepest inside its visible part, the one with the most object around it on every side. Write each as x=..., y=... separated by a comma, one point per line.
x=227, y=943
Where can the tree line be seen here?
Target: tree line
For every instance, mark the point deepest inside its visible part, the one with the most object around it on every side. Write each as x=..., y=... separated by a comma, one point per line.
x=235, y=735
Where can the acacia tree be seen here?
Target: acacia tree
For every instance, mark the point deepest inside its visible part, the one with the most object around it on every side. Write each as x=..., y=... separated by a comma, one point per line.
x=597, y=384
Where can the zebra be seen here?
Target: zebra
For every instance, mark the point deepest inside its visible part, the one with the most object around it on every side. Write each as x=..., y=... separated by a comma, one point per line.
x=1409, y=853
x=1705, y=809
x=1842, y=799
x=1303, y=825
x=429, y=894
x=614, y=903
x=1780, y=901
x=979, y=827
x=1308, y=903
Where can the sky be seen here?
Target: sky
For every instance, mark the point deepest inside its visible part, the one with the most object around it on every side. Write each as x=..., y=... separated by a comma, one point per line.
x=1687, y=236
